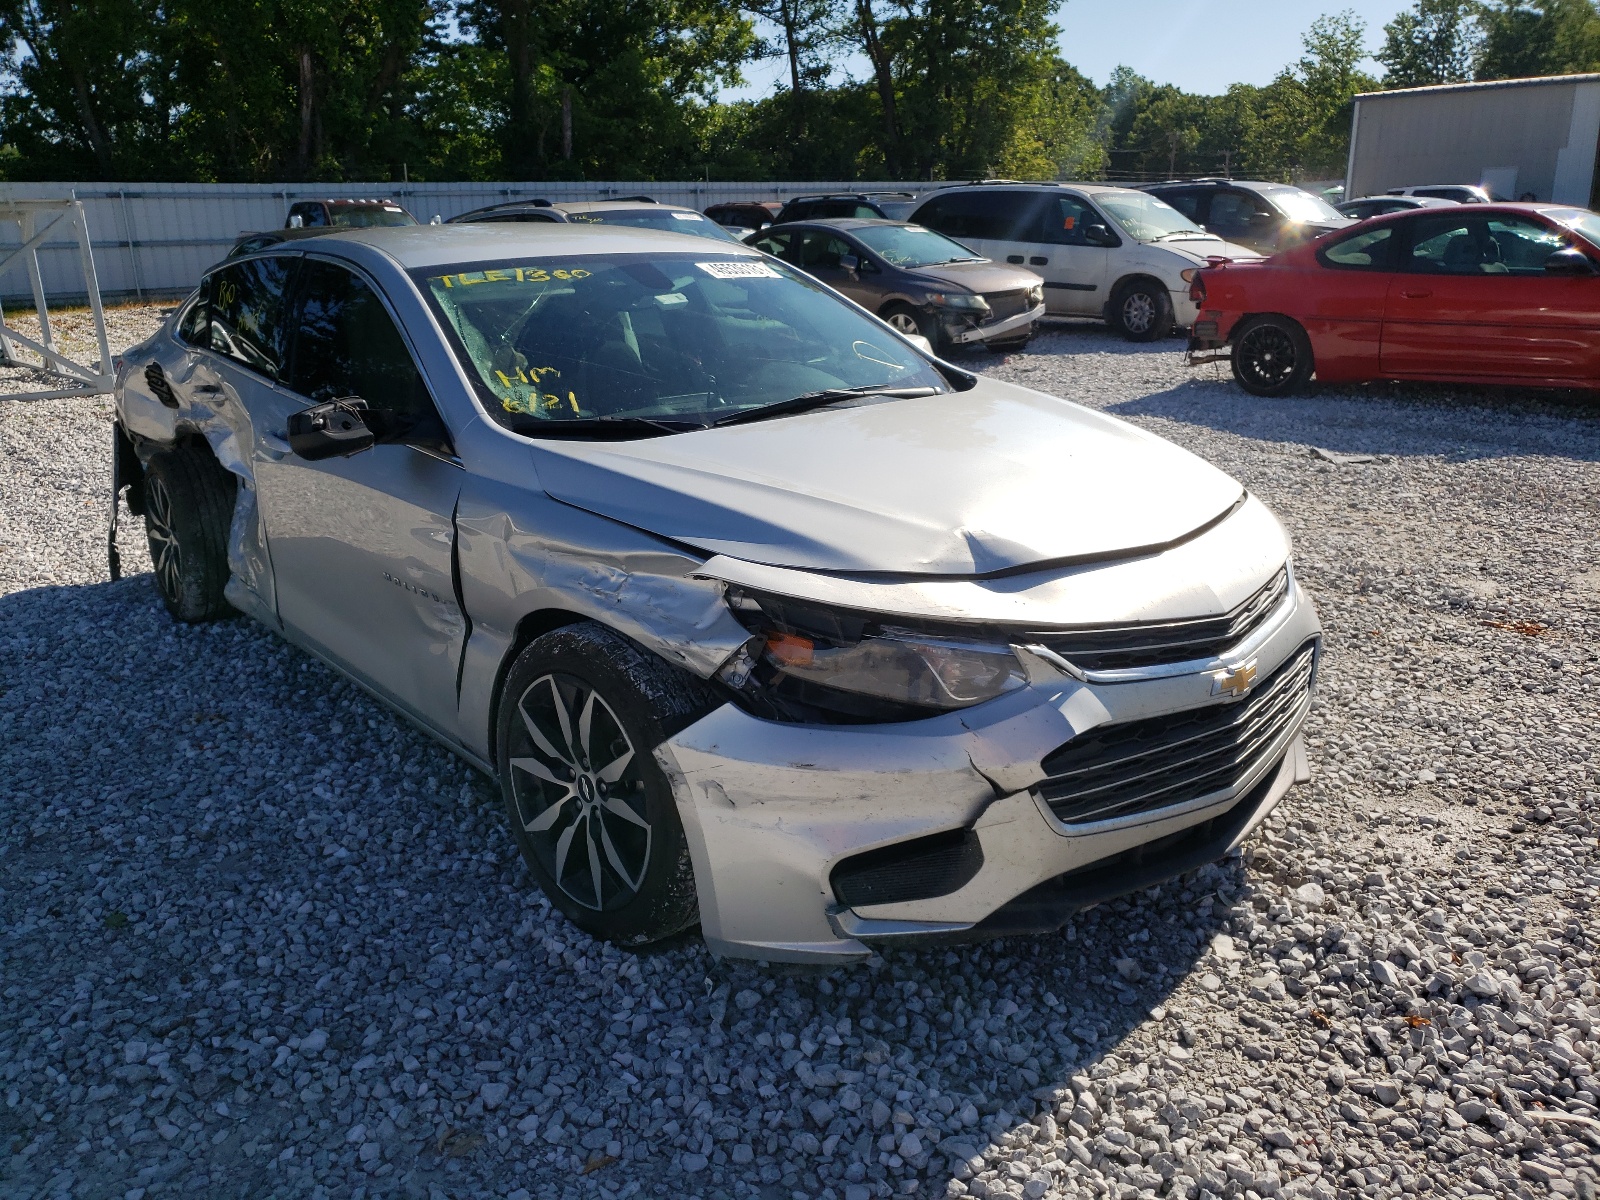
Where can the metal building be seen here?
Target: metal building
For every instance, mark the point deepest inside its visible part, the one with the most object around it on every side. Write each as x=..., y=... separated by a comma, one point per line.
x=1513, y=136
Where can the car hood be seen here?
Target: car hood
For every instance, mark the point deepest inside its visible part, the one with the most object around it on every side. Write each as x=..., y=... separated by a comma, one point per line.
x=988, y=480
x=984, y=276
x=1201, y=248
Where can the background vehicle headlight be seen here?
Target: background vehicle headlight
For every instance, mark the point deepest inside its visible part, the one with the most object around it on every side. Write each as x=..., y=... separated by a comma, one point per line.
x=964, y=300
x=810, y=663
x=1036, y=295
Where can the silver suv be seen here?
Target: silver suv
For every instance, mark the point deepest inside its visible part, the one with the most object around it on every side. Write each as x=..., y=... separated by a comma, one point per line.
x=763, y=617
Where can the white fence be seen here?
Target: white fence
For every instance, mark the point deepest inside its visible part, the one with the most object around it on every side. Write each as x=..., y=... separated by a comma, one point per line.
x=156, y=239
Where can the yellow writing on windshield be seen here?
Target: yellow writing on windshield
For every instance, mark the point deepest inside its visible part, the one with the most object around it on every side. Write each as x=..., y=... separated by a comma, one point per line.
x=510, y=275
x=535, y=402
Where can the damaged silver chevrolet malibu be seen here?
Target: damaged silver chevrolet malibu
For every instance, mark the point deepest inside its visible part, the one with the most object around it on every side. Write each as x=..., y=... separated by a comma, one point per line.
x=763, y=617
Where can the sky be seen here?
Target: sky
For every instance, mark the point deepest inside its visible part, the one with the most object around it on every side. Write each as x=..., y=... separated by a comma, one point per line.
x=1200, y=45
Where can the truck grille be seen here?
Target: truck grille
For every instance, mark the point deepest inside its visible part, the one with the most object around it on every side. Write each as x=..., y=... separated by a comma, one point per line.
x=1153, y=643
x=1003, y=305
x=1161, y=761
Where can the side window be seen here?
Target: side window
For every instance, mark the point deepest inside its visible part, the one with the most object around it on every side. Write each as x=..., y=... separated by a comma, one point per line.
x=932, y=214
x=866, y=211
x=194, y=323
x=1063, y=220
x=1524, y=244
x=821, y=251
x=1238, y=214
x=1369, y=250
x=248, y=313
x=1456, y=245
x=348, y=345
x=1188, y=203
x=776, y=244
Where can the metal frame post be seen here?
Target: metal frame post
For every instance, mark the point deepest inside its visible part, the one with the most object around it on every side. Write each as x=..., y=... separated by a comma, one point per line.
x=86, y=379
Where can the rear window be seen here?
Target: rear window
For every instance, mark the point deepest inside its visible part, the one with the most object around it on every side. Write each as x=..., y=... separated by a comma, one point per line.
x=999, y=215
x=671, y=220
x=371, y=216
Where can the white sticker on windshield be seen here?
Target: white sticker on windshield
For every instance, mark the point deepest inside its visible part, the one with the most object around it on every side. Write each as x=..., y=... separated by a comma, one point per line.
x=672, y=298
x=677, y=216
x=738, y=270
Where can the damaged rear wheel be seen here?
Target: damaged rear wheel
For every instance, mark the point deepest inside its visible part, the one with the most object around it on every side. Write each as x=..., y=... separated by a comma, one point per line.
x=581, y=714
x=188, y=500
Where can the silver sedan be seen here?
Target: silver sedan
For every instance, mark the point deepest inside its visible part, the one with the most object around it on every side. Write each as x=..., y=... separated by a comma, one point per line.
x=763, y=617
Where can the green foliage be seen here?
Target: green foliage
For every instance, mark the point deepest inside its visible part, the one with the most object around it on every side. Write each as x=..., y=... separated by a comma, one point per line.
x=1438, y=41
x=572, y=89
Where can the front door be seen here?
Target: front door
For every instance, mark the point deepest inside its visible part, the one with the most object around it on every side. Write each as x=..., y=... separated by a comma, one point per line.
x=819, y=257
x=1473, y=299
x=362, y=547
x=1074, y=272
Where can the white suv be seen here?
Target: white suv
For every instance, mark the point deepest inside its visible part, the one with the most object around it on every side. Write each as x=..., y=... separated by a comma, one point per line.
x=1108, y=252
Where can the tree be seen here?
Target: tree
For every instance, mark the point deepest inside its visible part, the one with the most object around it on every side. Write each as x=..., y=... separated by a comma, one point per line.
x=1538, y=37
x=1437, y=41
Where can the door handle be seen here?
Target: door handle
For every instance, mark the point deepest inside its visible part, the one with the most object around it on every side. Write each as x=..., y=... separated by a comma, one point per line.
x=1416, y=295
x=1039, y=262
x=1014, y=258
x=275, y=445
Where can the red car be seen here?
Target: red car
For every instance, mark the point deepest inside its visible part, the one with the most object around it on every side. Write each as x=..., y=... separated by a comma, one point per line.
x=1480, y=293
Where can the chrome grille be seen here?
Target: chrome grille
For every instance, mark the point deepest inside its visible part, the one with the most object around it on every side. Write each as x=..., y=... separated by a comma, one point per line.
x=1003, y=305
x=1153, y=643
x=1161, y=761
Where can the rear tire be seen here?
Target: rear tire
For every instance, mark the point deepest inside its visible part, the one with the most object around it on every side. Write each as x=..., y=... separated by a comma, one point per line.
x=581, y=713
x=1272, y=356
x=188, y=499
x=1141, y=310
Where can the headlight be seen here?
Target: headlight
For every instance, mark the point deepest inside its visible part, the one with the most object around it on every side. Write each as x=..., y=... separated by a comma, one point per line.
x=964, y=300
x=1036, y=295
x=806, y=662
x=1188, y=276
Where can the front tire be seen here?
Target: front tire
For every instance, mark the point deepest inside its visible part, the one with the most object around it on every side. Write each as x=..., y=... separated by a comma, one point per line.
x=1141, y=311
x=188, y=499
x=1272, y=357
x=581, y=713
x=902, y=318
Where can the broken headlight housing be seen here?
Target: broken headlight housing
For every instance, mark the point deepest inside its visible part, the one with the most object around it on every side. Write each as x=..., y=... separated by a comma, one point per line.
x=806, y=662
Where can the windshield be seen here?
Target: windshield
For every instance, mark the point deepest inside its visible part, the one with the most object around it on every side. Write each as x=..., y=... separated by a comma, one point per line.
x=913, y=246
x=1146, y=218
x=657, y=337
x=1303, y=206
x=1581, y=221
x=366, y=218
x=669, y=219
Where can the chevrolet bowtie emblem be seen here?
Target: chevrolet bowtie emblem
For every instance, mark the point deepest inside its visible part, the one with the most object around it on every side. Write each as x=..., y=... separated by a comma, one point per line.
x=1236, y=681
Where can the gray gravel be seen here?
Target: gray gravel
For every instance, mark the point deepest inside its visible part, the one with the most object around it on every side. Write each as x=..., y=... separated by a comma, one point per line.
x=259, y=938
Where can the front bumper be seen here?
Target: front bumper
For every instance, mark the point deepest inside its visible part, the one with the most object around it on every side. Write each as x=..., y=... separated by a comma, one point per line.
x=985, y=333
x=771, y=809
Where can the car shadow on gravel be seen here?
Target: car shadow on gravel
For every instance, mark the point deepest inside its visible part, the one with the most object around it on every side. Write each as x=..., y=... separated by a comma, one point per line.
x=1402, y=420
x=241, y=851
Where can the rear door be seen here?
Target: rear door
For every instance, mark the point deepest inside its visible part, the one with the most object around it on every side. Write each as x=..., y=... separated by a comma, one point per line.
x=991, y=221
x=1472, y=299
x=362, y=547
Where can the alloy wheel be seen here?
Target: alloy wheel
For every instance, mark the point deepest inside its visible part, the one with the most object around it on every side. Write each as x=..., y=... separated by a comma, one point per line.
x=1266, y=356
x=163, y=541
x=1138, y=312
x=902, y=322
x=580, y=792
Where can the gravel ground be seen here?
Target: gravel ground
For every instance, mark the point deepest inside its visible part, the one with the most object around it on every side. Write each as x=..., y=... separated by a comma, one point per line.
x=265, y=940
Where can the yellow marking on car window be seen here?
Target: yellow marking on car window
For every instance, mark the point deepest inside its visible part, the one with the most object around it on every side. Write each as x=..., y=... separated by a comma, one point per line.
x=510, y=275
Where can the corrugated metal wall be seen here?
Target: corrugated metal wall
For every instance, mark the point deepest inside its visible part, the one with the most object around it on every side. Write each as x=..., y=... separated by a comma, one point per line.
x=155, y=239
x=1513, y=136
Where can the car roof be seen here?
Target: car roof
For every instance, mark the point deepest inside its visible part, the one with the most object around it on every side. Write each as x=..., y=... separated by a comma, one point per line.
x=583, y=206
x=422, y=246
x=1088, y=189
x=845, y=224
x=1476, y=211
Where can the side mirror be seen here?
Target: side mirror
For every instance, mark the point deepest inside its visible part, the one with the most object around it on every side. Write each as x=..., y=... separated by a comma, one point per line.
x=1569, y=262
x=849, y=262
x=336, y=429
x=1098, y=235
